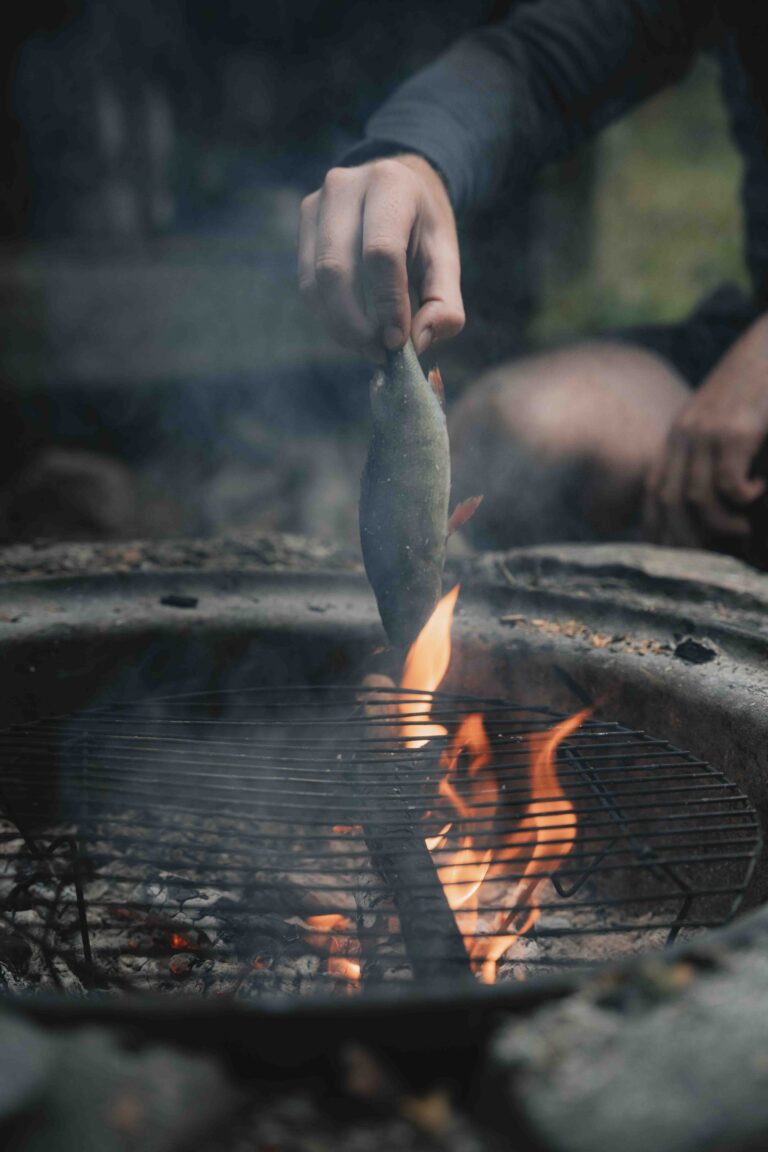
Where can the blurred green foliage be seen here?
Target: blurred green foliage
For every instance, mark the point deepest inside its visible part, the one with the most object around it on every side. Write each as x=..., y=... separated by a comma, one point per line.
x=666, y=223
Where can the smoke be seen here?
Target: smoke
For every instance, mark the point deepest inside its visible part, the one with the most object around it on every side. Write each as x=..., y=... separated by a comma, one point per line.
x=528, y=498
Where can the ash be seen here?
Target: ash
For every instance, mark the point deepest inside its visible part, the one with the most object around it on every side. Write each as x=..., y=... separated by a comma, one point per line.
x=247, y=935
x=247, y=932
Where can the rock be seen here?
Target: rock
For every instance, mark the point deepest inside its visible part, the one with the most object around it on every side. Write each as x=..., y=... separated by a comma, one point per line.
x=695, y=651
x=177, y=600
x=68, y=494
x=182, y=964
x=25, y=1059
x=677, y=1064
x=92, y=1092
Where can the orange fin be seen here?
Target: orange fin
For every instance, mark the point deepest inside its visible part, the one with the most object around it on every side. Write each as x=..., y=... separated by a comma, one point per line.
x=462, y=513
x=436, y=384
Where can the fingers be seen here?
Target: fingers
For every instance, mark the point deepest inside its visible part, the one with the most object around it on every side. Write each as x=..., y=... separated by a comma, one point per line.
x=684, y=503
x=353, y=247
x=337, y=261
x=441, y=314
x=651, y=511
x=733, y=468
x=704, y=495
x=701, y=477
x=360, y=238
x=307, y=246
x=388, y=222
x=675, y=525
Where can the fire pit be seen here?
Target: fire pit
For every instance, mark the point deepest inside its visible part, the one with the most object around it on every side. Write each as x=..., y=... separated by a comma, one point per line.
x=252, y=838
x=315, y=883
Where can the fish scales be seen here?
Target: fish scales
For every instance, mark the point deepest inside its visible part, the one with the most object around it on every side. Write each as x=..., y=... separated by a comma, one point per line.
x=404, y=496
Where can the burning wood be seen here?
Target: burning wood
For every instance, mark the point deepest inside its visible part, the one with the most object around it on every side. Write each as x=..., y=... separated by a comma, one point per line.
x=401, y=858
x=383, y=955
x=432, y=940
x=335, y=934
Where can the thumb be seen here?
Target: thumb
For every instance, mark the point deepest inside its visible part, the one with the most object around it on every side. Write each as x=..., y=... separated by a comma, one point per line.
x=441, y=309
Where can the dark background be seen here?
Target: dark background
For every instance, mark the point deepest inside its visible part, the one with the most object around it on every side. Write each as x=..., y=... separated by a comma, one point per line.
x=158, y=373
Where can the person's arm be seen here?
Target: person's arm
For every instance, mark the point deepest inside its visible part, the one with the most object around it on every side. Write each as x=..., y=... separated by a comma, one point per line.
x=509, y=98
x=496, y=107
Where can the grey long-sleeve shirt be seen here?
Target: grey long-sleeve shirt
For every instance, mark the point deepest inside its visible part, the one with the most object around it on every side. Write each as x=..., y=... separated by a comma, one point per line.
x=511, y=97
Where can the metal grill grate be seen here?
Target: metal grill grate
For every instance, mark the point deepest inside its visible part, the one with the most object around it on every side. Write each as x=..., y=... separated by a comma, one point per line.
x=185, y=842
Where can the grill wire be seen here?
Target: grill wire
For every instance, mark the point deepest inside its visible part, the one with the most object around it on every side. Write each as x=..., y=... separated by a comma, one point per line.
x=182, y=843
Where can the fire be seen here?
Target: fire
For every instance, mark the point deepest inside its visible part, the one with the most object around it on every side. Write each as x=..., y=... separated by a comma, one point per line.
x=323, y=939
x=543, y=838
x=178, y=941
x=462, y=872
x=425, y=666
x=469, y=861
x=472, y=857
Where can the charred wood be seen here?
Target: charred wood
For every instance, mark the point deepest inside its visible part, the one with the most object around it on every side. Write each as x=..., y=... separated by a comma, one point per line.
x=432, y=939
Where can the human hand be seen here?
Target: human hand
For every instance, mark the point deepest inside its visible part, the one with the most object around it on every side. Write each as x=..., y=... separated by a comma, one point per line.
x=699, y=490
x=368, y=233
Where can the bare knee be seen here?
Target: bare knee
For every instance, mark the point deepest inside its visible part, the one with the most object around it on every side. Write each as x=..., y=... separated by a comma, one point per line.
x=595, y=415
x=597, y=400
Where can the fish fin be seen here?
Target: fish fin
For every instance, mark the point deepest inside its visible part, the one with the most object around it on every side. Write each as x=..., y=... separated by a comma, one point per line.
x=436, y=384
x=462, y=513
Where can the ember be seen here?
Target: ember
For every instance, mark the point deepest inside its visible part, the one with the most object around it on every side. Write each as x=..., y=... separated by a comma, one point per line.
x=326, y=936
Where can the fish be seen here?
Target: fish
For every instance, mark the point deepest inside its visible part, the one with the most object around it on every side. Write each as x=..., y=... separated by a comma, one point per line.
x=405, y=494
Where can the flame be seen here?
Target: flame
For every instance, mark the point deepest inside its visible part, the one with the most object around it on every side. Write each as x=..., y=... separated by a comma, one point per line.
x=425, y=666
x=468, y=860
x=433, y=842
x=471, y=857
x=179, y=941
x=463, y=871
x=544, y=837
x=324, y=940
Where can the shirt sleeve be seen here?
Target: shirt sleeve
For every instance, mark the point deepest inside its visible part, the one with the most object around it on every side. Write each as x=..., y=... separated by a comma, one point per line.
x=508, y=98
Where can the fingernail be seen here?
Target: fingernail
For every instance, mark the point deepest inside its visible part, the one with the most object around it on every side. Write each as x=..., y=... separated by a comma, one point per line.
x=393, y=337
x=423, y=340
